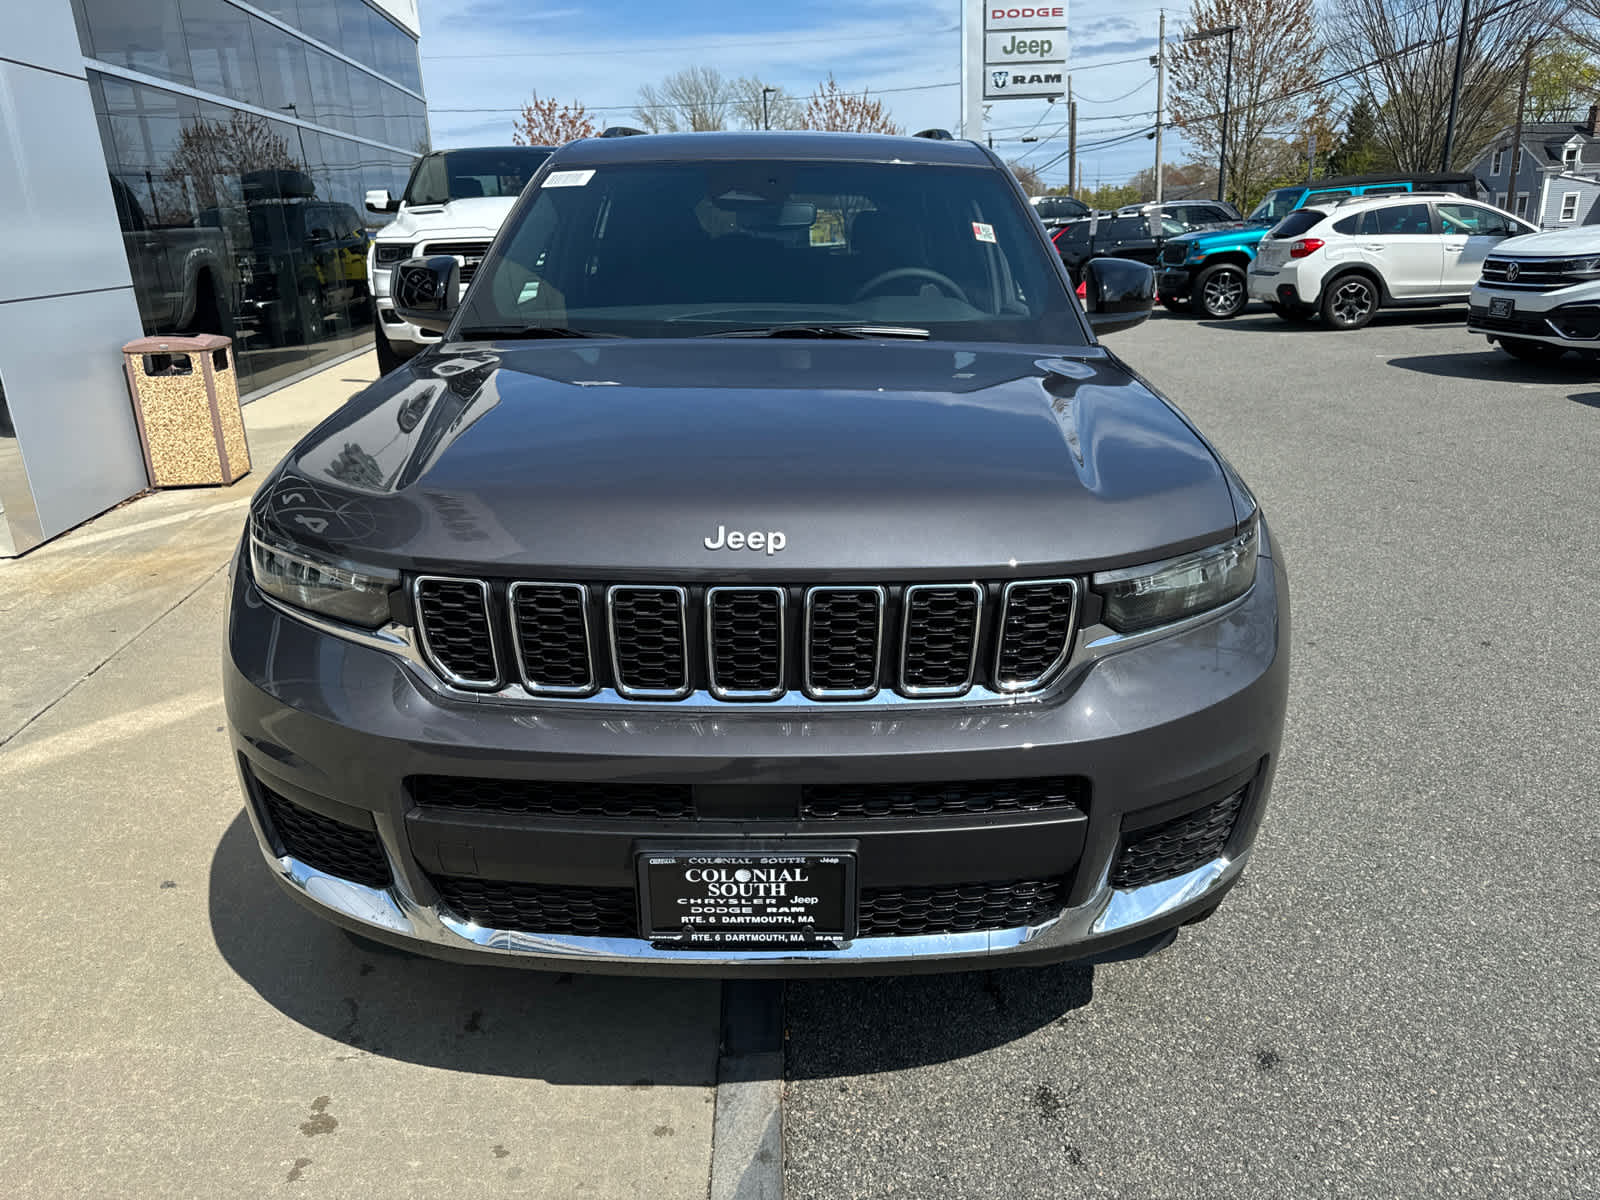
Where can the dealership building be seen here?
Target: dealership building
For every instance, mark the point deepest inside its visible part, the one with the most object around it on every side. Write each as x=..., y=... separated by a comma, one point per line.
x=182, y=166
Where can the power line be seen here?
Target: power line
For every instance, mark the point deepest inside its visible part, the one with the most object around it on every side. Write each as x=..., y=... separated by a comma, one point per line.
x=1118, y=99
x=921, y=87
x=711, y=47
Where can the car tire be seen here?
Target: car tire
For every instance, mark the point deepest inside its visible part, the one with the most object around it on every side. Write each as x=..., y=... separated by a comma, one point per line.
x=1350, y=301
x=388, y=358
x=1531, y=351
x=1219, y=292
x=311, y=319
x=1175, y=304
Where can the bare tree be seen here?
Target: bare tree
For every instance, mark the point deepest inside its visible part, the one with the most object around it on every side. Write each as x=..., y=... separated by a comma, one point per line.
x=549, y=123
x=1031, y=181
x=210, y=153
x=838, y=111
x=693, y=99
x=781, y=110
x=1275, y=90
x=1403, y=53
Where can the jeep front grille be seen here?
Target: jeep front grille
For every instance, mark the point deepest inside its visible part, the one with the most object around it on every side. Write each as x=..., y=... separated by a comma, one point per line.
x=828, y=644
x=1173, y=253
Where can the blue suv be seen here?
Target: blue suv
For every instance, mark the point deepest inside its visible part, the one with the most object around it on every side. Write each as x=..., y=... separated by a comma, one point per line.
x=1205, y=271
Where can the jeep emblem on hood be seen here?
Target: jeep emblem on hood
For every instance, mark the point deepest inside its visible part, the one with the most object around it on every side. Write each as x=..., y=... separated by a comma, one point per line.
x=771, y=541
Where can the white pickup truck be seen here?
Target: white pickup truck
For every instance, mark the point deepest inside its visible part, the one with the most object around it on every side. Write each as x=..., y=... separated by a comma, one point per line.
x=1539, y=295
x=454, y=203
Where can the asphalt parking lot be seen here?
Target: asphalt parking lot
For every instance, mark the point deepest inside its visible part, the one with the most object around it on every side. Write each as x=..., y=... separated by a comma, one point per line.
x=1398, y=1000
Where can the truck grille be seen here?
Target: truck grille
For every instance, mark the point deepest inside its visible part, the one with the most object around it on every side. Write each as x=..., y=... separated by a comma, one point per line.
x=665, y=643
x=469, y=254
x=1173, y=254
x=1479, y=320
x=855, y=801
x=541, y=907
x=1177, y=846
x=1534, y=274
x=555, y=798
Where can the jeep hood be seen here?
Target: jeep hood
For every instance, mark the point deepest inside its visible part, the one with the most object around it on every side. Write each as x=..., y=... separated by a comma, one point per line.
x=1232, y=233
x=618, y=459
x=482, y=215
x=1577, y=239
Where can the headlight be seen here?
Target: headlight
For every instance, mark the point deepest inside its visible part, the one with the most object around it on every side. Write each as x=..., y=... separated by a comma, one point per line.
x=391, y=255
x=311, y=580
x=1160, y=593
x=1196, y=253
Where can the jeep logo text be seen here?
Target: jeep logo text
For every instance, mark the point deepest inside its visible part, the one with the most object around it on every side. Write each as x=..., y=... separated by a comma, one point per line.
x=771, y=541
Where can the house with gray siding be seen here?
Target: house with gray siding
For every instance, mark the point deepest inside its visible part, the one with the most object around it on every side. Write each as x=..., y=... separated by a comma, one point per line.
x=1557, y=180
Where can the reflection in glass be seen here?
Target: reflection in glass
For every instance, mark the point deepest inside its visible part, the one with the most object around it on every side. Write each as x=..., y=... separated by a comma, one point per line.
x=221, y=52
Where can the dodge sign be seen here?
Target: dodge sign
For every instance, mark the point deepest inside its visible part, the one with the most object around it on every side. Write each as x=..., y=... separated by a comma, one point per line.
x=1024, y=50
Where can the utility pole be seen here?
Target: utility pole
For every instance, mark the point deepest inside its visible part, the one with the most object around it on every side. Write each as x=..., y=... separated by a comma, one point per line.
x=1455, y=90
x=1161, y=95
x=1311, y=156
x=766, y=120
x=1516, y=137
x=1072, y=141
x=1227, y=116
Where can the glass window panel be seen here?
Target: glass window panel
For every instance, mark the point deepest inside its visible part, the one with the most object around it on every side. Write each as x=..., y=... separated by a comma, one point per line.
x=285, y=81
x=330, y=84
x=397, y=117
x=355, y=29
x=144, y=35
x=366, y=98
x=221, y=53
x=320, y=19
x=287, y=11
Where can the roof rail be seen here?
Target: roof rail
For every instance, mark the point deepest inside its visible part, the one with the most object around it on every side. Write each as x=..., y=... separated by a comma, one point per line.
x=621, y=131
x=937, y=135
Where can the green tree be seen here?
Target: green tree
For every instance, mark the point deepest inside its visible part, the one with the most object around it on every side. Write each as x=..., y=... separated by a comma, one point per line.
x=1357, y=151
x=1565, y=81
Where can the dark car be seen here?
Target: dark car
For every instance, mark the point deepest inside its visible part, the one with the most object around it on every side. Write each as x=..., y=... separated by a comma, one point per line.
x=1055, y=211
x=768, y=572
x=1137, y=232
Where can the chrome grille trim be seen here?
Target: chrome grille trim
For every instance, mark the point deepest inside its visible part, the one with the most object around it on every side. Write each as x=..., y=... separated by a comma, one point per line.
x=922, y=692
x=546, y=689
x=1012, y=687
x=632, y=693
x=881, y=597
x=460, y=681
x=724, y=693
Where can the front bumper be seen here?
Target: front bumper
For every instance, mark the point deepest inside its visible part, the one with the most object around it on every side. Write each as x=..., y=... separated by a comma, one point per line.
x=1159, y=730
x=1173, y=283
x=1567, y=317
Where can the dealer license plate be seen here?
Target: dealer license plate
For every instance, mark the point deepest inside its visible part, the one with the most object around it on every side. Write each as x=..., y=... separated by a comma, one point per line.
x=748, y=901
x=1502, y=306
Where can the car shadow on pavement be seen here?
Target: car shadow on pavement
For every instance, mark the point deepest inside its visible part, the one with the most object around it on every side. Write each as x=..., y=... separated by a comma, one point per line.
x=845, y=1027
x=564, y=1029
x=1495, y=366
x=1266, y=322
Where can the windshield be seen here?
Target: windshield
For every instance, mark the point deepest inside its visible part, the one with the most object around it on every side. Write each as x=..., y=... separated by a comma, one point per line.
x=461, y=174
x=1277, y=204
x=683, y=250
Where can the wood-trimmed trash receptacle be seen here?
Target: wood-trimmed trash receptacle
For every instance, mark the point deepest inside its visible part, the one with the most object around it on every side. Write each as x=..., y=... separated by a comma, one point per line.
x=186, y=399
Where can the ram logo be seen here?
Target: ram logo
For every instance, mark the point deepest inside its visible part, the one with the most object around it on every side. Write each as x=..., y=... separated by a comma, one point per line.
x=999, y=79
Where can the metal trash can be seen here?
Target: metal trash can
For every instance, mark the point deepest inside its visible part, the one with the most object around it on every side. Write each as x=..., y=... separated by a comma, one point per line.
x=186, y=399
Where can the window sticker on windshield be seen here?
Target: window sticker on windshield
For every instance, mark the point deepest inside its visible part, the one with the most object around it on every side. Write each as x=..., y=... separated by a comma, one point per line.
x=984, y=233
x=568, y=178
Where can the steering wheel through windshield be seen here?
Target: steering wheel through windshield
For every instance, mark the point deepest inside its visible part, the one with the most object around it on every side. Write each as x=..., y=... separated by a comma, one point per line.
x=872, y=285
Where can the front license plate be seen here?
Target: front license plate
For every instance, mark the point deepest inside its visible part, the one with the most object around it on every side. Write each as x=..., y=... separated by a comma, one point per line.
x=751, y=901
x=1502, y=306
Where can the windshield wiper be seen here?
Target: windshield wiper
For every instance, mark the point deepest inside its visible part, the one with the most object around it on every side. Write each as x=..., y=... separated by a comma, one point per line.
x=824, y=331
x=484, y=332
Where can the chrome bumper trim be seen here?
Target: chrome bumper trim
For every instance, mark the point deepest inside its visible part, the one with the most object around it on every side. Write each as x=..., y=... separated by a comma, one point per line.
x=1109, y=911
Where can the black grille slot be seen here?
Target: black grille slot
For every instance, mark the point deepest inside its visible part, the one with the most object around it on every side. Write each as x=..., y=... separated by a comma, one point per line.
x=958, y=907
x=647, y=639
x=1173, y=254
x=833, y=801
x=556, y=798
x=552, y=637
x=541, y=907
x=454, y=618
x=1034, y=633
x=940, y=640
x=470, y=253
x=745, y=642
x=1178, y=846
x=844, y=627
x=328, y=845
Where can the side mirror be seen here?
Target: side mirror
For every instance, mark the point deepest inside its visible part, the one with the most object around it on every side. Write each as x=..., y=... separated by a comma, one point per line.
x=378, y=201
x=427, y=291
x=1119, y=293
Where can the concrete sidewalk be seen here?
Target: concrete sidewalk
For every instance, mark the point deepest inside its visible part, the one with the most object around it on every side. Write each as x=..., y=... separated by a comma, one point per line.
x=173, y=1026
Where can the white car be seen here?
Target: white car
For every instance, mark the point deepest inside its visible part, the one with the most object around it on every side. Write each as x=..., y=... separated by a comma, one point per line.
x=454, y=203
x=1343, y=262
x=1540, y=295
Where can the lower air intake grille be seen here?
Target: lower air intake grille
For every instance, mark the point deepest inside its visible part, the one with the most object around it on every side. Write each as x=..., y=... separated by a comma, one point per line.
x=1035, y=631
x=1178, y=846
x=541, y=907
x=454, y=618
x=326, y=844
x=958, y=908
x=648, y=636
x=941, y=639
x=829, y=801
x=645, y=801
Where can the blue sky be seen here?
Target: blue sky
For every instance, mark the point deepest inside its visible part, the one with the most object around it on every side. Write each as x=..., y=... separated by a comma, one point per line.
x=494, y=54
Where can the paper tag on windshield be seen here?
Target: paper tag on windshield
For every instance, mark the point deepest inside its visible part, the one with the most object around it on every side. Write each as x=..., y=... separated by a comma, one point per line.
x=567, y=179
x=984, y=233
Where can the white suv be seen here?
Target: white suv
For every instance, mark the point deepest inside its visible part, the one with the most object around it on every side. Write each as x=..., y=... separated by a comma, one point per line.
x=454, y=203
x=1346, y=261
x=1540, y=295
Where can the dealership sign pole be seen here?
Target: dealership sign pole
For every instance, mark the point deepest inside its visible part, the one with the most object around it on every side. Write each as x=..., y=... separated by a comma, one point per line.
x=1010, y=51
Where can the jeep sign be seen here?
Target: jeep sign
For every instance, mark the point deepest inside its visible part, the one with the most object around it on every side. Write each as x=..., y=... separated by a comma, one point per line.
x=1024, y=50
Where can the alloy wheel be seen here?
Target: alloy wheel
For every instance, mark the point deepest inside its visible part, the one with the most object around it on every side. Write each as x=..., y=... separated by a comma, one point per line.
x=1224, y=293
x=1353, y=302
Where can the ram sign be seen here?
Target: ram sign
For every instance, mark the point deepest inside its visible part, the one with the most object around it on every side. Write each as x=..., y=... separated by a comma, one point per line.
x=1024, y=50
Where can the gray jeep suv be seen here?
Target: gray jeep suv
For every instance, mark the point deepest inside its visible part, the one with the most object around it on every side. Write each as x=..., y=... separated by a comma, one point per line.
x=767, y=573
